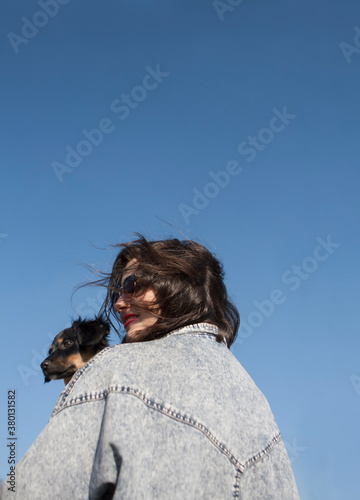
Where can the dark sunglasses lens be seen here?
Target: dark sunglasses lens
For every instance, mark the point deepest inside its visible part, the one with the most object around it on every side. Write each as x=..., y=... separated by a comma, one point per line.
x=129, y=284
x=128, y=287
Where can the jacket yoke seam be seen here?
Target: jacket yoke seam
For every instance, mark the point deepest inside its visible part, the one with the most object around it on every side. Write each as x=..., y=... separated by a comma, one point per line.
x=175, y=415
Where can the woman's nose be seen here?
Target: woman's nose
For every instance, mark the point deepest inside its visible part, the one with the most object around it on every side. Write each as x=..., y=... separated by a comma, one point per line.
x=121, y=303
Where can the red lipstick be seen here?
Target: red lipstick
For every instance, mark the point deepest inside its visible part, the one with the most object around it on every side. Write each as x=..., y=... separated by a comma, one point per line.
x=129, y=318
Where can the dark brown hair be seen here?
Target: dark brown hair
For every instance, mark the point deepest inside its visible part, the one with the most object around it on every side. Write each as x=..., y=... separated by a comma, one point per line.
x=187, y=281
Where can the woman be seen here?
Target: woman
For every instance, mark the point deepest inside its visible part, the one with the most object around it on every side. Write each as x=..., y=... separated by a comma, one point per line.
x=173, y=284
x=169, y=413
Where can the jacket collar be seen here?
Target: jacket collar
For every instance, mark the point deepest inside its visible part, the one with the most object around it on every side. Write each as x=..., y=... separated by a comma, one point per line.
x=196, y=328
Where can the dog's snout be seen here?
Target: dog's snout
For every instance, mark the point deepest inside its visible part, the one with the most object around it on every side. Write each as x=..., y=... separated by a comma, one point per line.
x=44, y=364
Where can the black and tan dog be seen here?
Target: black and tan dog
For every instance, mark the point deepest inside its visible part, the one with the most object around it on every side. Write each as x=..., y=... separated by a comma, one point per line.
x=74, y=347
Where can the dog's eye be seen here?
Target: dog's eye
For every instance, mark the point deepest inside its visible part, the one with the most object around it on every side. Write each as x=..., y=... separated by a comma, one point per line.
x=67, y=343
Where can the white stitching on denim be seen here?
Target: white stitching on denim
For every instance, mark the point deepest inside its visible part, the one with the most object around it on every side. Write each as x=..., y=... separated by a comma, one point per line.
x=252, y=461
x=236, y=491
x=197, y=329
x=77, y=375
x=262, y=454
x=175, y=415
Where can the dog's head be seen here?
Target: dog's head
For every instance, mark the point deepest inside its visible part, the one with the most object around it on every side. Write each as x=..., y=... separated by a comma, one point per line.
x=74, y=347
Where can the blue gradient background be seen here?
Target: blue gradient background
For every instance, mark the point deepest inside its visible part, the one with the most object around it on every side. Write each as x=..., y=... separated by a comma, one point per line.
x=225, y=78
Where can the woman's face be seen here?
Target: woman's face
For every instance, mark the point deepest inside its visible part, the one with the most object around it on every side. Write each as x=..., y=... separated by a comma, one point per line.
x=133, y=317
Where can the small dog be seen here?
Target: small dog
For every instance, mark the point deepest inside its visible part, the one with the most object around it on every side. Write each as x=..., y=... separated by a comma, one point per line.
x=74, y=347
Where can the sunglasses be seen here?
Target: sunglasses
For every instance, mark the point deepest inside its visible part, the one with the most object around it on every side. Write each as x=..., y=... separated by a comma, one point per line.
x=128, y=287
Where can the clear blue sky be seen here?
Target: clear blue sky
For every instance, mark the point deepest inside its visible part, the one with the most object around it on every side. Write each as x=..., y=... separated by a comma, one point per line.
x=238, y=125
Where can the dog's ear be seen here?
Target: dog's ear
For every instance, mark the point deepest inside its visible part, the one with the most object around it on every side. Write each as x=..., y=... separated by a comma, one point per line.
x=92, y=332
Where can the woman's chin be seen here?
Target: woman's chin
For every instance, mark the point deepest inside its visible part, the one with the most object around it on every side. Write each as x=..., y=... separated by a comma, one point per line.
x=135, y=328
x=133, y=333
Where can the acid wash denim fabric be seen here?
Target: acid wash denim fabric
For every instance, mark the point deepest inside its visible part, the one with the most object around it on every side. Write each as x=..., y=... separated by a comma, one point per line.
x=175, y=418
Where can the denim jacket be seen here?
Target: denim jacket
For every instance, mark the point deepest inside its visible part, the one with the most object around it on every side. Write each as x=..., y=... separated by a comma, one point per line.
x=174, y=418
